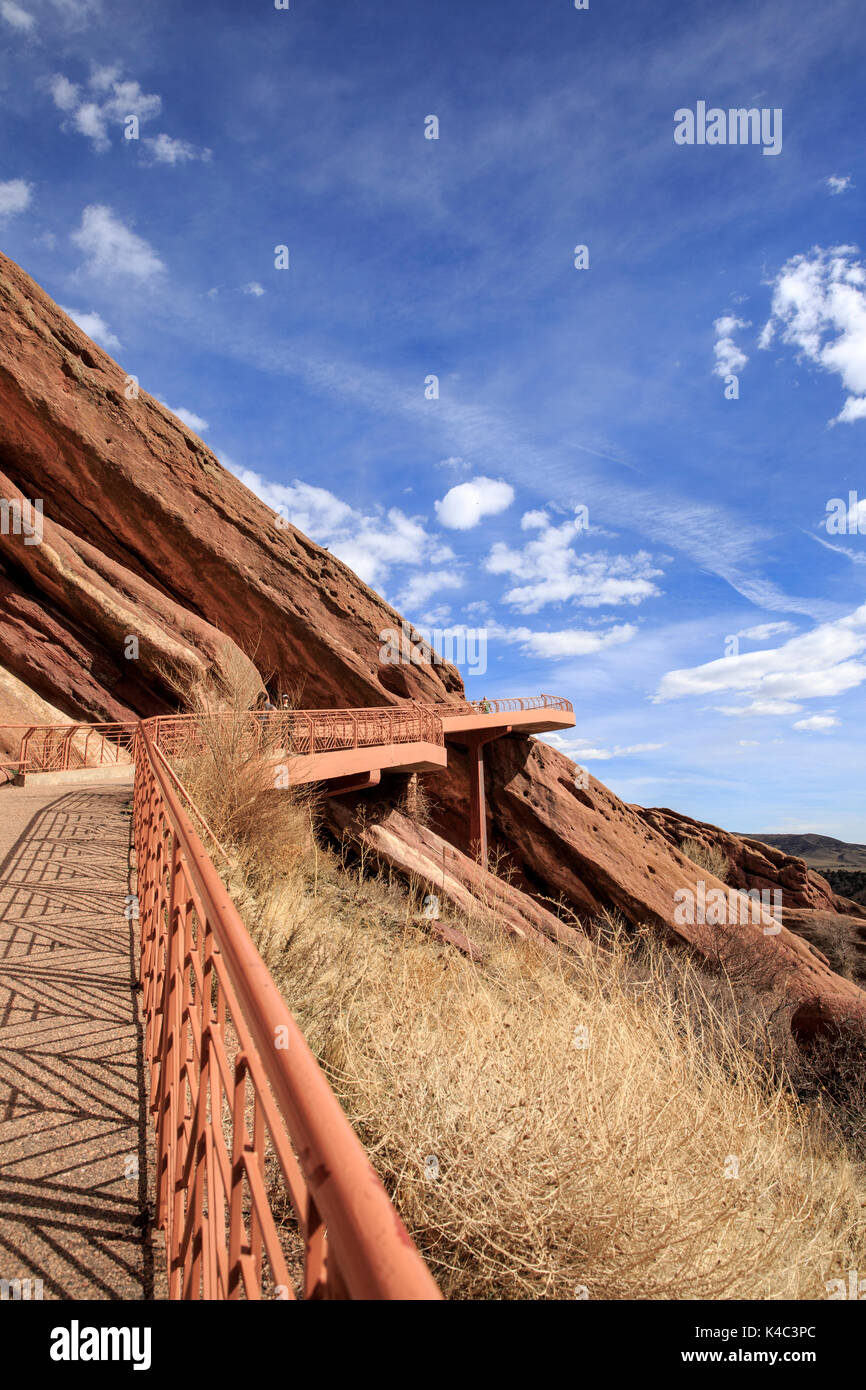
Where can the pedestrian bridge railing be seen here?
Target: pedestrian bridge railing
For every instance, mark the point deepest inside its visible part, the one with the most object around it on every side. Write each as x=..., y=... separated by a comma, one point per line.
x=241, y=1107
x=67, y=747
x=526, y=702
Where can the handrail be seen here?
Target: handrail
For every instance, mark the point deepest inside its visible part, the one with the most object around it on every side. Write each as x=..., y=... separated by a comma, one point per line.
x=472, y=707
x=52, y=747
x=203, y=982
x=192, y=806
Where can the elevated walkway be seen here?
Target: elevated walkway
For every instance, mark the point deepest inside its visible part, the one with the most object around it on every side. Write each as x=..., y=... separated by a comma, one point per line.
x=537, y=714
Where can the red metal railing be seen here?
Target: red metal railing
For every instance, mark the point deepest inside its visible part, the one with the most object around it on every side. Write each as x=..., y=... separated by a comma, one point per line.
x=514, y=703
x=63, y=747
x=308, y=731
x=240, y=1102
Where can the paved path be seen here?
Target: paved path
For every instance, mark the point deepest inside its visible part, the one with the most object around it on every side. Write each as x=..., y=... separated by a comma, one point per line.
x=75, y=1138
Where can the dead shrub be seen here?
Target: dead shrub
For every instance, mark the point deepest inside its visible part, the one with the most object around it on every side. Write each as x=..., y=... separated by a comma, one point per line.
x=707, y=857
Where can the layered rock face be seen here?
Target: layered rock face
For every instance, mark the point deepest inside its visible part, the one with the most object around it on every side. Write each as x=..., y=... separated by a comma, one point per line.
x=752, y=864
x=587, y=850
x=146, y=535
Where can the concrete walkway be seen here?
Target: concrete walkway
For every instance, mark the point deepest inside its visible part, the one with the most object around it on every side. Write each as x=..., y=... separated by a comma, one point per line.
x=75, y=1137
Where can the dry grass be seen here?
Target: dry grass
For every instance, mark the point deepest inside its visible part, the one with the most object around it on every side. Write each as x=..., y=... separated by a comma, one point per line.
x=269, y=831
x=562, y=1166
x=548, y=1127
x=707, y=857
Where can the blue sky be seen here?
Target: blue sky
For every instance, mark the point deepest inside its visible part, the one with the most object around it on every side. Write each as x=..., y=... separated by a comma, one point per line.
x=559, y=388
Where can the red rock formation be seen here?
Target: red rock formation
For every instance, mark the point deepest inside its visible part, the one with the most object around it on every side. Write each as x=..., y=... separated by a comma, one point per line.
x=752, y=864
x=168, y=527
x=421, y=854
x=588, y=849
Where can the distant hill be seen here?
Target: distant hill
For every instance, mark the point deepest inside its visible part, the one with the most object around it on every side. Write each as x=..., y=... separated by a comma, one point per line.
x=819, y=851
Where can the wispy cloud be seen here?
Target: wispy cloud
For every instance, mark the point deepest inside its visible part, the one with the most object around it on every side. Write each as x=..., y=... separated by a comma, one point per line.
x=15, y=196
x=164, y=149
x=819, y=663
x=16, y=17
x=730, y=359
x=564, y=643
x=189, y=417
x=94, y=326
x=113, y=249
x=104, y=101
x=581, y=752
x=817, y=723
x=372, y=543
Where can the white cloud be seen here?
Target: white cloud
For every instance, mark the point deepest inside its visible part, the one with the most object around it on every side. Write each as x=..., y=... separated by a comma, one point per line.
x=370, y=543
x=729, y=357
x=565, y=643
x=112, y=101
x=465, y=505
x=533, y=521
x=820, y=663
x=18, y=18
x=128, y=99
x=580, y=753
x=555, y=573
x=64, y=92
x=189, y=417
x=421, y=587
x=853, y=409
x=89, y=120
x=254, y=288
x=93, y=325
x=764, y=631
x=760, y=707
x=837, y=184
x=101, y=78
x=821, y=722
x=819, y=307
x=15, y=196
x=112, y=248
x=166, y=150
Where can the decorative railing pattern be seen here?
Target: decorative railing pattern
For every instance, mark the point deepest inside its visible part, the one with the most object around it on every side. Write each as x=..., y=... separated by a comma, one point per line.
x=307, y=731
x=527, y=702
x=64, y=747
x=241, y=1106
